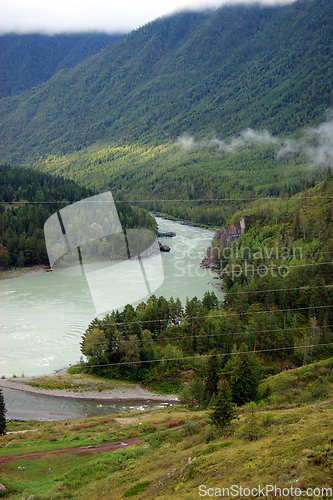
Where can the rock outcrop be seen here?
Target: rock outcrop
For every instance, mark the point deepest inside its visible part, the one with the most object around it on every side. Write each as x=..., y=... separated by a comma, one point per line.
x=223, y=237
x=231, y=233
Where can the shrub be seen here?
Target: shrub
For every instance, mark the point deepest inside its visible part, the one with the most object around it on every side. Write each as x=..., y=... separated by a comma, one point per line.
x=191, y=428
x=250, y=429
x=267, y=420
x=134, y=490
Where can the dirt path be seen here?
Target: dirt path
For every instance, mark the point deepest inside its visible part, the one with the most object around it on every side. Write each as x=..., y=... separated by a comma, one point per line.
x=95, y=448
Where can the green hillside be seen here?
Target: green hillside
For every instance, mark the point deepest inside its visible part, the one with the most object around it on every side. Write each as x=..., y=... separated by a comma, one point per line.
x=200, y=73
x=278, y=275
x=289, y=448
x=28, y=60
x=159, y=175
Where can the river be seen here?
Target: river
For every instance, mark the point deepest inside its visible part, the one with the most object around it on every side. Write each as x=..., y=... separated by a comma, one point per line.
x=43, y=316
x=27, y=406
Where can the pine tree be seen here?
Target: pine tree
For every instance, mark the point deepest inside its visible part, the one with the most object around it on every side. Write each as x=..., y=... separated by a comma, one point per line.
x=2, y=415
x=223, y=408
x=244, y=377
x=212, y=378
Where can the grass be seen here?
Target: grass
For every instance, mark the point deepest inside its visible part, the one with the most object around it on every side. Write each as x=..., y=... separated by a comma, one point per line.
x=178, y=452
x=75, y=380
x=72, y=382
x=295, y=448
x=307, y=384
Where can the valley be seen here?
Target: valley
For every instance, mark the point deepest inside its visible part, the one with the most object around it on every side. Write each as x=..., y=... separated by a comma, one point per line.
x=215, y=125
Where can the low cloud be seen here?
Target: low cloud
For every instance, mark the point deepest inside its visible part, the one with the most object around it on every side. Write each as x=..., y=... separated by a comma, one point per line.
x=24, y=16
x=315, y=143
x=246, y=138
x=185, y=142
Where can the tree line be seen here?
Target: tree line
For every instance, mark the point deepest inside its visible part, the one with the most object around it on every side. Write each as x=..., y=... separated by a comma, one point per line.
x=29, y=198
x=286, y=318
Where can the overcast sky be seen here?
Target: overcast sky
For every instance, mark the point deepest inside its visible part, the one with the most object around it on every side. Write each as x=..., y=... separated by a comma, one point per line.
x=58, y=16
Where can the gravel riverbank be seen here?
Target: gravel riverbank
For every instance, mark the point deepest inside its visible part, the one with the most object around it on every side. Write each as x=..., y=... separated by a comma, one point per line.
x=87, y=387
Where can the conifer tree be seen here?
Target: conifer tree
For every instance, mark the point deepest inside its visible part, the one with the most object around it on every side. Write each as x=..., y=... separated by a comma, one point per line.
x=2, y=414
x=223, y=408
x=212, y=375
x=245, y=376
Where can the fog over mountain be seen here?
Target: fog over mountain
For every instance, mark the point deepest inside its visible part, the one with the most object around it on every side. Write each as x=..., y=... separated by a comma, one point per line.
x=71, y=16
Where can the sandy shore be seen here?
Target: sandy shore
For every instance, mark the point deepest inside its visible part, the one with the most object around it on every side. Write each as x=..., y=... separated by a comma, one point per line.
x=116, y=392
x=21, y=271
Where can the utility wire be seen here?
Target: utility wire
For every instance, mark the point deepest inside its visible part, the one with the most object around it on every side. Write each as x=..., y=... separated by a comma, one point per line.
x=195, y=318
x=190, y=336
x=206, y=356
x=182, y=200
x=178, y=276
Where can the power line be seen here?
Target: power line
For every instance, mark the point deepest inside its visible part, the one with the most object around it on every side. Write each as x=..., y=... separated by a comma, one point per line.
x=211, y=316
x=206, y=356
x=191, y=336
x=266, y=311
x=190, y=265
x=280, y=289
x=217, y=335
x=154, y=200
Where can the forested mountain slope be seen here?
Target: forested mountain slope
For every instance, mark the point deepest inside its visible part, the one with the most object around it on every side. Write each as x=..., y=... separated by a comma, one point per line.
x=28, y=198
x=203, y=73
x=28, y=60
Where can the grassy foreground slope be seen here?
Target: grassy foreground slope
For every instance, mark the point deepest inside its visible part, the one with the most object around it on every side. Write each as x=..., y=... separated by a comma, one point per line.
x=178, y=451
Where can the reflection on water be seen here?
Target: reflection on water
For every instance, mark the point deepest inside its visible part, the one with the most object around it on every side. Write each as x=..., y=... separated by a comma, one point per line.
x=27, y=406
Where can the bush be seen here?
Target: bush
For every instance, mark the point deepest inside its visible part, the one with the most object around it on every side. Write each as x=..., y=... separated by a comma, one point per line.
x=250, y=429
x=156, y=440
x=134, y=490
x=267, y=420
x=191, y=428
x=264, y=392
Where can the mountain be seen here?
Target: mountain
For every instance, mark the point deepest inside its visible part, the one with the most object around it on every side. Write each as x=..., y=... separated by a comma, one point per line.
x=28, y=60
x=109, y=121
